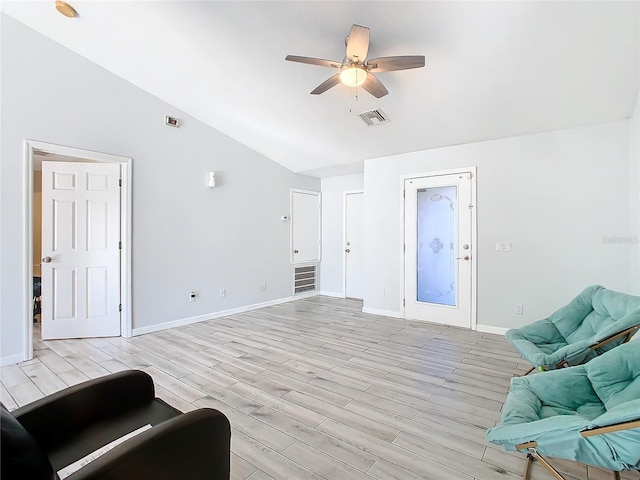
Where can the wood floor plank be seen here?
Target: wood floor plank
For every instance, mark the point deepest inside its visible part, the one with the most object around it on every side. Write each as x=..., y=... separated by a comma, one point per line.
x=6, y=399
x=240, y=468
x=417, y=464
x=249, y=425
x=270, y=461
x=47, y=381
x=464, y=463
x=335, y=447
x=322, y=464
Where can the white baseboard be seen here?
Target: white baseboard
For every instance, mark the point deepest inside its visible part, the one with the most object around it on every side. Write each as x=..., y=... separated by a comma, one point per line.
x=223, y=313
x=385, y=313
x=490, y=329
x=11, y=359
x=332, y=294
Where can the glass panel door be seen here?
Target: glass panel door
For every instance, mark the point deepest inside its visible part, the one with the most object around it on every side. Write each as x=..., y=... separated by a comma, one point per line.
x=439, y=263
x=436, y=253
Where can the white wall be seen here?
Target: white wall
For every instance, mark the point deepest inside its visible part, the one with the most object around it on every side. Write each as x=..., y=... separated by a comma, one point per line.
x=634, y=185
x=554, y=195
x=332, y=265
x=185, y=236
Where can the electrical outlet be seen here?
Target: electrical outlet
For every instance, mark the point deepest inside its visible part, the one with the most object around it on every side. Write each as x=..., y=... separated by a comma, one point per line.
x=519, y=309
x=192, y=297
x=263, y=286
x=223, y=292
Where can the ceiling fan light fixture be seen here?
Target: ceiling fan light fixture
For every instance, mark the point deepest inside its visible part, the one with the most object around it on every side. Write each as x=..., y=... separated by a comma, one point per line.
x=353, y=75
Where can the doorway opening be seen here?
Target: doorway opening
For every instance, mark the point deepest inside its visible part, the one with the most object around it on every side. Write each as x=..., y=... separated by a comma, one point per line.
x=36, y=154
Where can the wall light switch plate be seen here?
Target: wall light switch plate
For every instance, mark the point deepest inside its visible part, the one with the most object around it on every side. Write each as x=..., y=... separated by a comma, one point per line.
x=503, y=246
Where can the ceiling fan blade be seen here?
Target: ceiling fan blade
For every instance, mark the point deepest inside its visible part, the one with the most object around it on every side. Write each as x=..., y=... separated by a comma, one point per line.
x=374, y=86
x=358, y=43
x=313, y=61
x=327, y=84
x=390, y=64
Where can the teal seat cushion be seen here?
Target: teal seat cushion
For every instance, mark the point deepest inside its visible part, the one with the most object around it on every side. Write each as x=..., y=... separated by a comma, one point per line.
x=569, y=333
x=552, y=408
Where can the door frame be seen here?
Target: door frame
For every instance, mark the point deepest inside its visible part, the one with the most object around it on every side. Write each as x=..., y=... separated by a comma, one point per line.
x=125, y=229
x=344, y=237
x=474, y=235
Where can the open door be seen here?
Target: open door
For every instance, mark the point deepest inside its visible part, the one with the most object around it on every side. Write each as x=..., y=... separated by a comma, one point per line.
x=81, y=250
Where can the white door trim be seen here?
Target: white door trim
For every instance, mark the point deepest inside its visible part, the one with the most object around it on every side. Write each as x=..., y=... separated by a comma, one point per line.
x=125, y=229
x=344, y=238
x=474, y=236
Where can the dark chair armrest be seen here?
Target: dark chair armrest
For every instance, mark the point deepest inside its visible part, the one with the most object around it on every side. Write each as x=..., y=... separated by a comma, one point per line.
x=59, y=416
x=193, y=446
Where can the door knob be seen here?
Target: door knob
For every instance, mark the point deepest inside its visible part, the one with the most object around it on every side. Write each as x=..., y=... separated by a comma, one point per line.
x=295, y=251
x=347, y=250
x=46, y=260
x=466, y=257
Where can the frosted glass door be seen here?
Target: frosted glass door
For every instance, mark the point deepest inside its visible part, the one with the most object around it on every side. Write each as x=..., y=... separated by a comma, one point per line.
x=436, y=256
x=439, y=263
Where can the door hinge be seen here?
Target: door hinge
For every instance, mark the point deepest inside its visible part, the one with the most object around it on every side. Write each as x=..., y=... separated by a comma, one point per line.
x=404, y=194
x=119, y=182
x=120, y=307
x=404, y=302
x=119, y=245
x=404, y=248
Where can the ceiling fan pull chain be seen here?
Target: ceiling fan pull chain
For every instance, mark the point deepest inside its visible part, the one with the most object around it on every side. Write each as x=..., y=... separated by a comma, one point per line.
x=355, y=99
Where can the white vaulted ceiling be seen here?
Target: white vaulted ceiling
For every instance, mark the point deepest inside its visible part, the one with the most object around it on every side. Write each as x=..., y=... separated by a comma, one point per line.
x=493, y=69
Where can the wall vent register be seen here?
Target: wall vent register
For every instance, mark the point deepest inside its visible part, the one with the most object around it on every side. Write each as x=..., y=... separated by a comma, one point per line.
x=304, y=279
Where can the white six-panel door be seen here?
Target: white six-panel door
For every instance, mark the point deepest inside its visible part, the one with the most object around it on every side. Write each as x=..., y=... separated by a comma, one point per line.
x=439, y=249
x=80, y=248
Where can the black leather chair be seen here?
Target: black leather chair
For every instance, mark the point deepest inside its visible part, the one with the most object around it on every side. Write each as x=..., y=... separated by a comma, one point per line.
x=45, y=436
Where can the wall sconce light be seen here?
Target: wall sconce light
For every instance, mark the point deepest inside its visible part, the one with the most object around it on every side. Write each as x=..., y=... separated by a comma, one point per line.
x=211, y=180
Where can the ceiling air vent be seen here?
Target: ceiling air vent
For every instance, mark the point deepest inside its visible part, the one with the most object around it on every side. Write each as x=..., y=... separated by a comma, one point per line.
x=375, y=117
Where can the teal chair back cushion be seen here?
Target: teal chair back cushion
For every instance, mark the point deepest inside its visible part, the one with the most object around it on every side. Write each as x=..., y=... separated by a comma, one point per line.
x=607, y=309
x=616, y=380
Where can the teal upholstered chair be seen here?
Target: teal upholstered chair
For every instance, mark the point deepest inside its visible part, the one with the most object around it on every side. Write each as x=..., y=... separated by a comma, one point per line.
x=594, y=322
x=589, y=413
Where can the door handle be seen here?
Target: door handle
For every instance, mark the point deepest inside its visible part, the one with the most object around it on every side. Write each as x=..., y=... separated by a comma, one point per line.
x=348, y=250
x=295, y=251
x=466, y=257
x=46, y=260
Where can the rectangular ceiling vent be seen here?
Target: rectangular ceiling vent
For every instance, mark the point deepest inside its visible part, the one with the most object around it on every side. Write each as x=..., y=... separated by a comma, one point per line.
x=375, y=117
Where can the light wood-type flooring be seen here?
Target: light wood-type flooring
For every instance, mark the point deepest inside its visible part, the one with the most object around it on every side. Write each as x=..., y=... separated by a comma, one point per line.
x=316, y=389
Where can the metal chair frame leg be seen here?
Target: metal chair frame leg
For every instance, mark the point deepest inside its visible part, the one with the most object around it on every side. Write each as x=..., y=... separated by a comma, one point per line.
x=534, y=455
x=526, y=373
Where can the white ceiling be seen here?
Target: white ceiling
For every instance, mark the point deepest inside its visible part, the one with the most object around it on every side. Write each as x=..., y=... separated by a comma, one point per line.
x=493, y=69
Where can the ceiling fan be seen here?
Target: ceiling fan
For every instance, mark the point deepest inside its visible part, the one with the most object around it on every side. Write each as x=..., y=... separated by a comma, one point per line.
x=355, y=69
